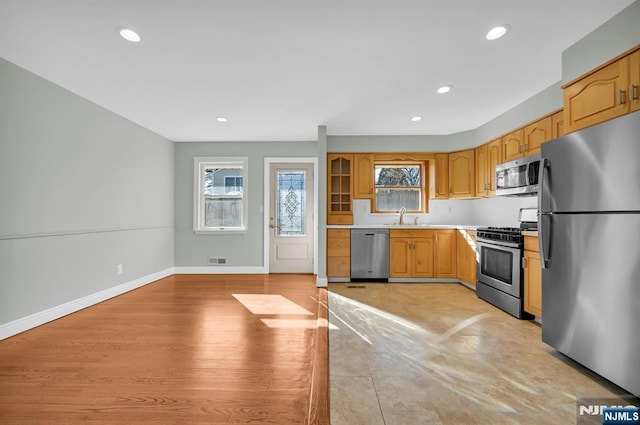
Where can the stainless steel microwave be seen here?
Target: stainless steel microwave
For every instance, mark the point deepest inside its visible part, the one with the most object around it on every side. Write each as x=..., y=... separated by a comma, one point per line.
x=519, y=177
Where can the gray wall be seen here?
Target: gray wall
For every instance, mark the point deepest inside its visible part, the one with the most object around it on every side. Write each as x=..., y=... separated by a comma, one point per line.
x=426, y=143
x=617, y=35
x=82, y=190
x=241, y=250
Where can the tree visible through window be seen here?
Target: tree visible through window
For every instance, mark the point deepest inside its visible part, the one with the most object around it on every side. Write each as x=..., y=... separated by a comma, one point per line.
x=397, y=186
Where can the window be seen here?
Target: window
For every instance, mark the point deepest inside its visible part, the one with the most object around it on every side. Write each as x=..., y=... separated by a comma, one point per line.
x=232, y=184
x=220, y=194
x=399, y=185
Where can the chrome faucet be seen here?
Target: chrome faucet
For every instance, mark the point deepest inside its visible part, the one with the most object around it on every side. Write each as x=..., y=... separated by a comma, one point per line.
x=402, y=212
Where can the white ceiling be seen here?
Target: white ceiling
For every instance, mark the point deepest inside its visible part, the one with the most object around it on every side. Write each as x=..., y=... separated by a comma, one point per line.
x=276, y=69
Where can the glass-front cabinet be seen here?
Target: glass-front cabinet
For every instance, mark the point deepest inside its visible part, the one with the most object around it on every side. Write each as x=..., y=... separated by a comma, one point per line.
x=340, y=188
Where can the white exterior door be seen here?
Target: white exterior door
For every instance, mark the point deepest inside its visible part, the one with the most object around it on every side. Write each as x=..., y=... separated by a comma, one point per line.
x=291, y=226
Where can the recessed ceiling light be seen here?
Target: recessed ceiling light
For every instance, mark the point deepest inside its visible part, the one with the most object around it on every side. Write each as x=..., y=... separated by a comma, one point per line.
x=444, y=89
x=416, y=118
x=221, y=119
x=497, y=32
x=129, y=34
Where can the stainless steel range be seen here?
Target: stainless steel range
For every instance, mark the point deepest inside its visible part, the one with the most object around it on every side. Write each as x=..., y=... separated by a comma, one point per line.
x=500, y=278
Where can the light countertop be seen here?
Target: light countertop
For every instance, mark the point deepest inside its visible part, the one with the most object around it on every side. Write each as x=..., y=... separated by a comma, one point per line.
x=403, y=226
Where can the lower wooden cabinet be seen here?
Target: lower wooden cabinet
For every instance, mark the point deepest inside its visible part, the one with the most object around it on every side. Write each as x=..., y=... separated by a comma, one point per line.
x=466, y=253
x=422, y=253
x=445, y=253
x=338, y=253
x=532, y=277
x=411, y=253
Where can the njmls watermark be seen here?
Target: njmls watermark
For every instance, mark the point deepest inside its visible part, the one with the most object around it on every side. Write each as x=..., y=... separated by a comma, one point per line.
x=621, y=410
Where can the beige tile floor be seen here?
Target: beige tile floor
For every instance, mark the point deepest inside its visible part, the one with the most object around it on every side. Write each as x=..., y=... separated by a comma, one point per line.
x=436, y=354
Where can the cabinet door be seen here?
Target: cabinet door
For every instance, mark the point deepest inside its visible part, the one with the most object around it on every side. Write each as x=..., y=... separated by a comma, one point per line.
x=557, y=124
x=536, y=134
x=597, y=97
x=363, y=176
x=445, y=253
x=400, y=257
x=532, y=283
x=422, y=251
x=512, y=146
x=466, y=253
x=462, y=257
x=634, y=86
x=495, y=157
x=472, y=261
x=338, y=266
x=482, y=171
x=442, y=176
x=462, y=174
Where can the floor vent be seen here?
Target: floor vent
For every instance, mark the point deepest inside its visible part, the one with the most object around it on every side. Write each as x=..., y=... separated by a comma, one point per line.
x=217, y=260
x=356, y=287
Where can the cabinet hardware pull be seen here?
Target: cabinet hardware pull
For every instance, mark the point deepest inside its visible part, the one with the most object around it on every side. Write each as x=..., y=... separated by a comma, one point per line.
x=621, y=97
x=633, y=91
x=524, y=262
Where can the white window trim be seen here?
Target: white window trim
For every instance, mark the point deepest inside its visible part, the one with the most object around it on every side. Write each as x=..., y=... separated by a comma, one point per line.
x=199, y=163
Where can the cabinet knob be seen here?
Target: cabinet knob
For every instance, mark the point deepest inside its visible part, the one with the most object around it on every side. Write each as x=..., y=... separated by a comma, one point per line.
x=633, y=92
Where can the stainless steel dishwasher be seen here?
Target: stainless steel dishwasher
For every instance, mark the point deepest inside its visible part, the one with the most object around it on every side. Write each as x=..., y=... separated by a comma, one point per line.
x=370, y=255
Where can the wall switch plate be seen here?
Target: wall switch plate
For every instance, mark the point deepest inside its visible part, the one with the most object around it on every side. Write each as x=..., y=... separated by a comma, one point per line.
x=120, y=269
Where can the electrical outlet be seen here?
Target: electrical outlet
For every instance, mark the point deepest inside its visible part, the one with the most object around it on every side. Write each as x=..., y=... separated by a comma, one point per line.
x=120, y=269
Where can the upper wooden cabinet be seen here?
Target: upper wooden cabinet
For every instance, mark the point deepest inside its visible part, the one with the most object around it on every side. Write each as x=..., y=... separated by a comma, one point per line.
x=339, y=188
x=488, y=156
x=536, y=134
x=363, y=176
x=513, y=146
x=482, y=170
x=441, y=176
x=494, y=156
x=599, y=96
x=462, y=174
x=557, y=124
x=634, y=76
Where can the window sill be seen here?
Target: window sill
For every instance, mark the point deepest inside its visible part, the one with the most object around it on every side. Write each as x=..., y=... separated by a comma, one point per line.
x=226, y=231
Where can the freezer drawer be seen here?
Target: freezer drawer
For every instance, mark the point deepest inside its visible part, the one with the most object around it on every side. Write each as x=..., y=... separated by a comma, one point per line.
x=369, y=254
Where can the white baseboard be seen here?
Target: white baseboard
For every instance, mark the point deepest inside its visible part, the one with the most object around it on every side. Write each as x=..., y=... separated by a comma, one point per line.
x=34, y=320
x=221, y=270
x=322, y=282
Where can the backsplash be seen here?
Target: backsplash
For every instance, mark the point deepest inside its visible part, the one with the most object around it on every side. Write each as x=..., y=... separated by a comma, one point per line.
x=440, y=212
x=495, y=211
x=501, y=210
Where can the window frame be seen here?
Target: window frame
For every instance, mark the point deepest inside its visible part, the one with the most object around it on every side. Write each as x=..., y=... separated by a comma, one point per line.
x=424, y=208
x=200, y=164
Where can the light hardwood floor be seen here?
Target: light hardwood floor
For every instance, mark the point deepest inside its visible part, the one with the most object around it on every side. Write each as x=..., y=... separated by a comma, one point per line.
x=437, y=354
x=182, y=350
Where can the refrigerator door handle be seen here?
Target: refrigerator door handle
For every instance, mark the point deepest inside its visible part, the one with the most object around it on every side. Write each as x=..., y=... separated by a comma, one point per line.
x=544, y=224
x=544, y=164
x=544, y=217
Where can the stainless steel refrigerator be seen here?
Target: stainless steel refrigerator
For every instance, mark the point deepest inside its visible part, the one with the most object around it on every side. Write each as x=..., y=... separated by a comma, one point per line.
x=589, y=234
